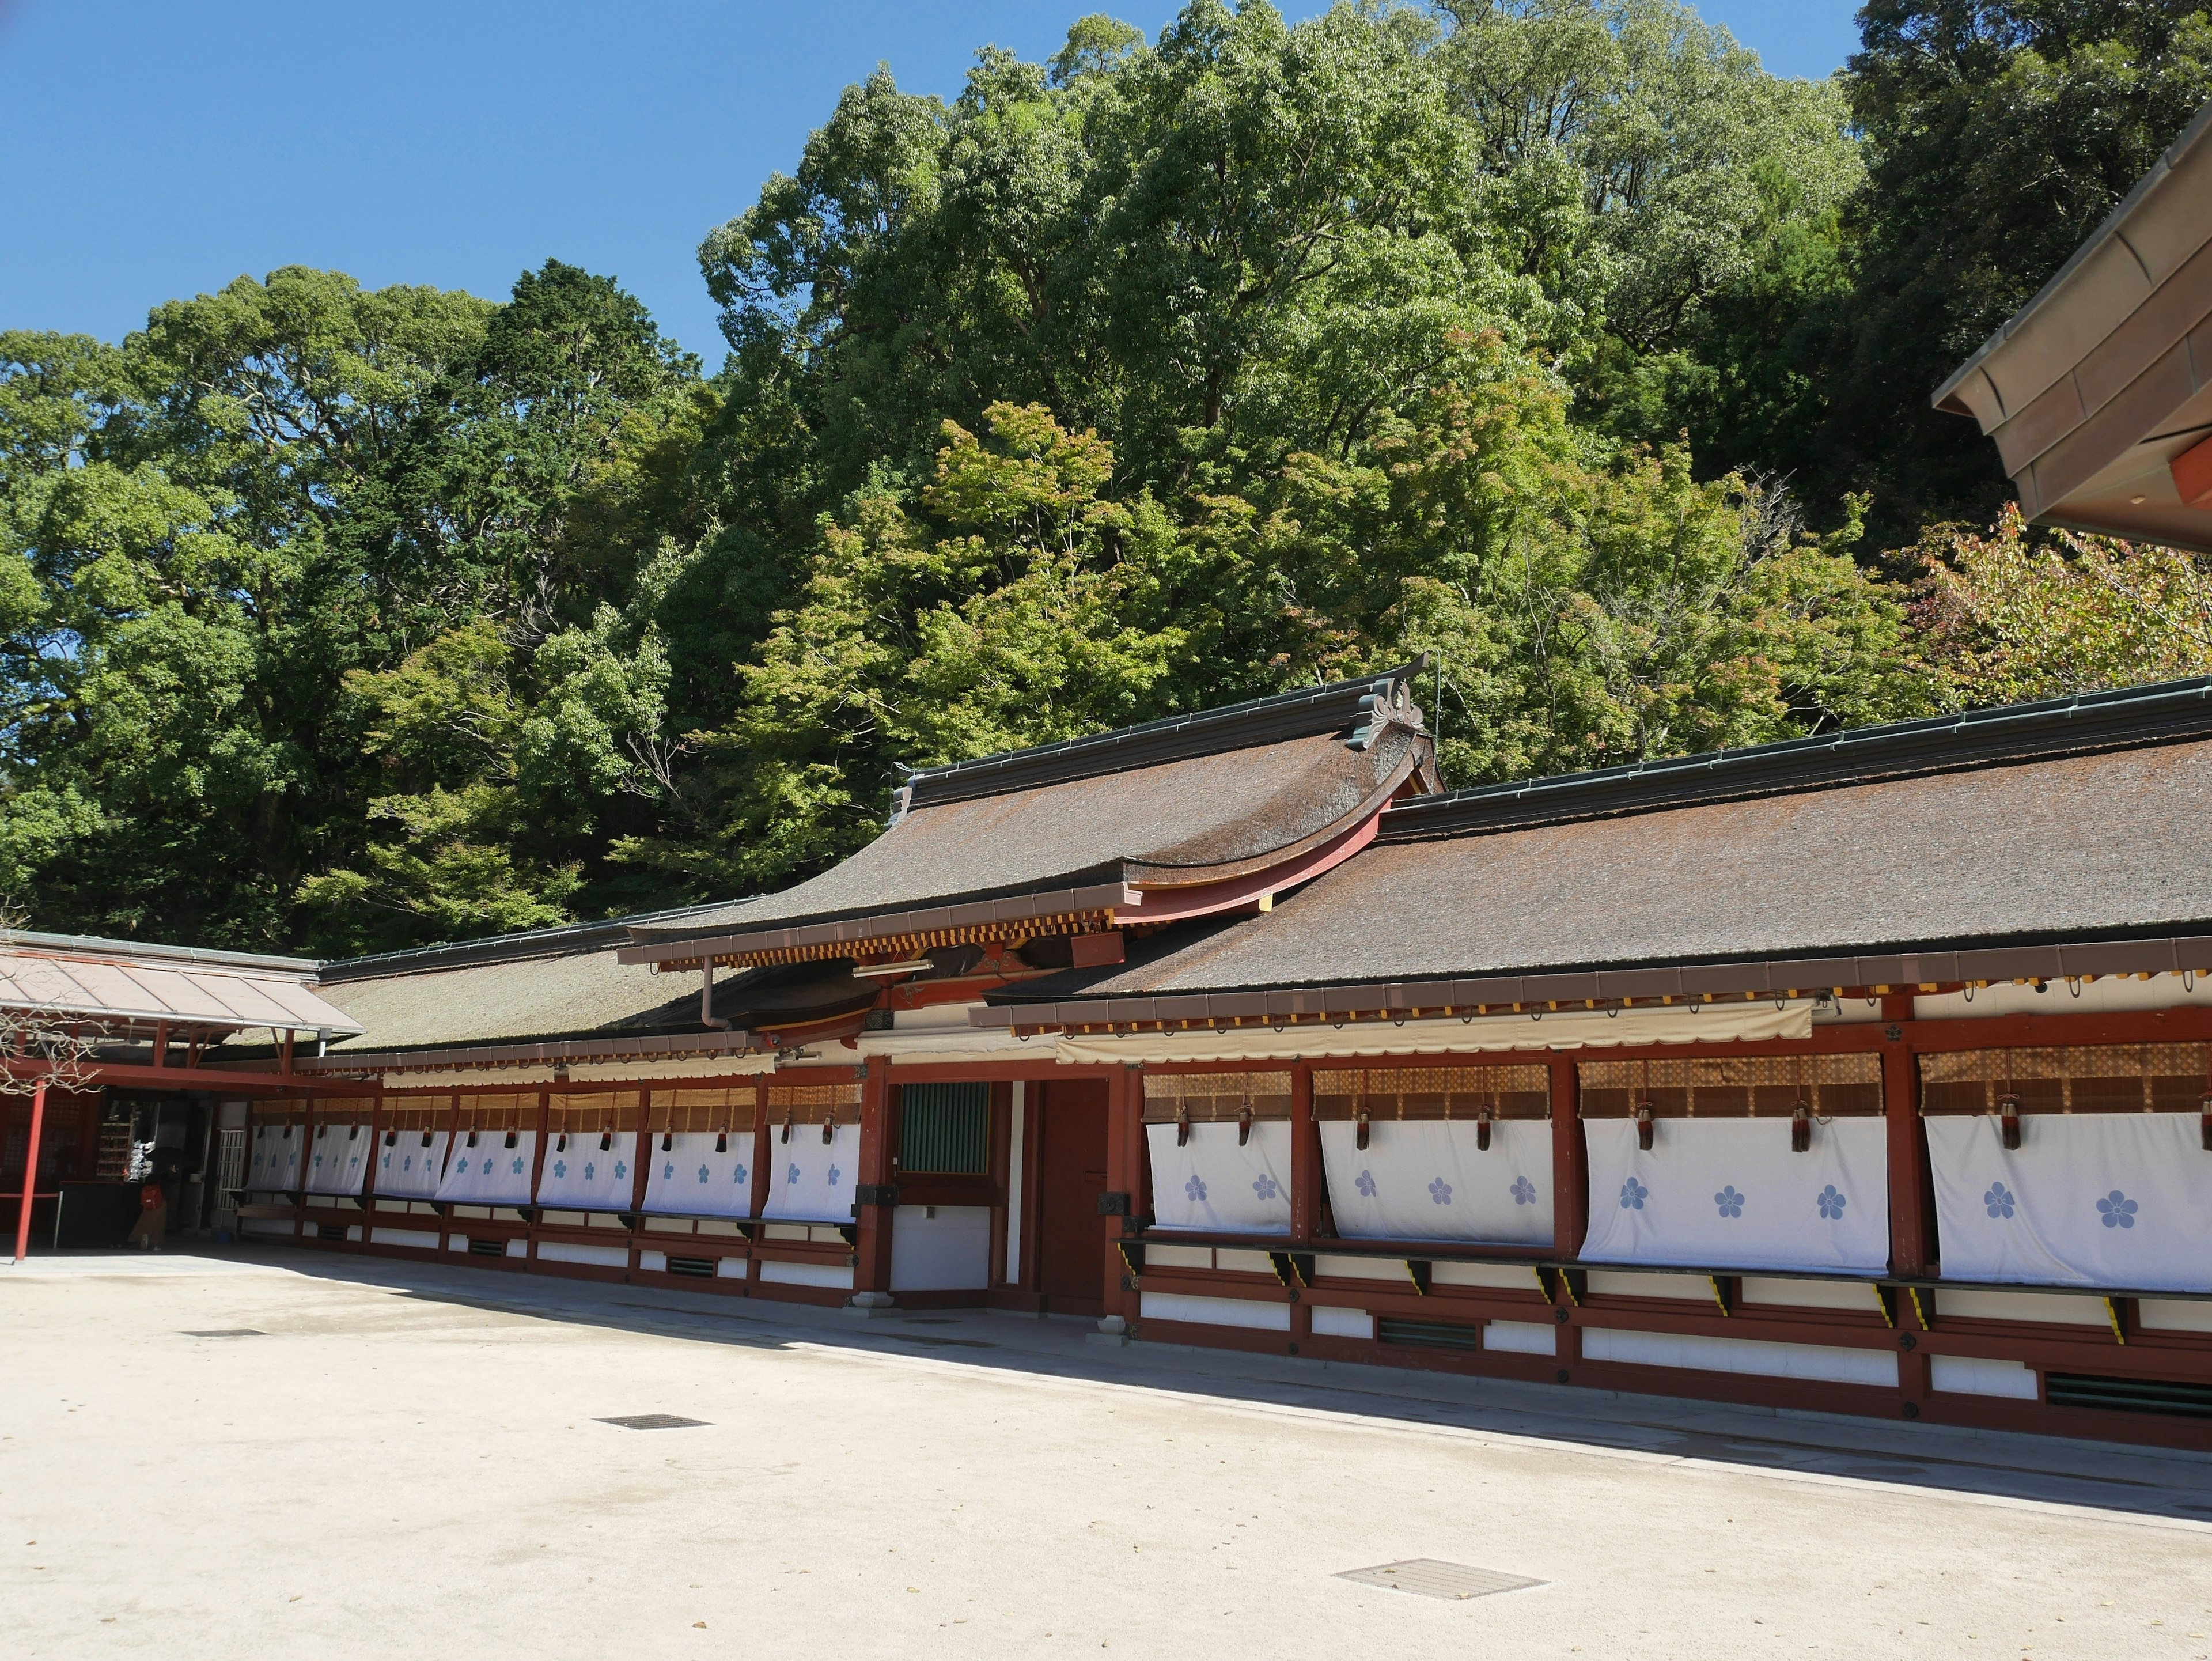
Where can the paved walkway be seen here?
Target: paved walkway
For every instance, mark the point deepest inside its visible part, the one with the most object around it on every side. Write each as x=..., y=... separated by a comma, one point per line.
x=404, y=1460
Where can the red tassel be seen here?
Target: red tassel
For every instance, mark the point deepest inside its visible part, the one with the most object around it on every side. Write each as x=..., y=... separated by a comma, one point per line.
x=1360, y=1139
x=1182, y=1126
x=1244, y=1127
x=2009, y=1120
x=1482, y=1131
x=1800, y=1129
x=1643, y=1126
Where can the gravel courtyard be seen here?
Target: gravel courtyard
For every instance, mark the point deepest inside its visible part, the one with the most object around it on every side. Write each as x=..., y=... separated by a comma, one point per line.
x=405, y=1461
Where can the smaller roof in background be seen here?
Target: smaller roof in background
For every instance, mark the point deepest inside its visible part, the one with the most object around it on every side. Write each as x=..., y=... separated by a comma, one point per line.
x=121, y=982
x=1068, y=829
x=2097, y=387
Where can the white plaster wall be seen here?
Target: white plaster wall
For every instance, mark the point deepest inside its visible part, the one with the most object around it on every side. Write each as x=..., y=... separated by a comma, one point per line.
x=947, y=1251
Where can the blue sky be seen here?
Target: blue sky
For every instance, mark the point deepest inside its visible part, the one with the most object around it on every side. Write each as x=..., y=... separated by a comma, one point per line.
x=150, y=149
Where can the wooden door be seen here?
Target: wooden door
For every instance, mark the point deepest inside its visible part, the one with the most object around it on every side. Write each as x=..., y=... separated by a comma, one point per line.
x=1071, y=1176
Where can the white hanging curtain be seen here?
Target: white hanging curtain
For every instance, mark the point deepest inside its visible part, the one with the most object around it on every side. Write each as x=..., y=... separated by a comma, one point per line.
x=690, y=1178
x=1426, y=1173
x=810, y=1176
x=1213, y=1182
x=585, y=1176
x=273, y=1165
x=2111, y=1185
x=1730, y=1193
x=409, y=1169
x=491, y=1172
x=2121, y=1200
x=1426, y=1180
x=1219, y=1148
x=810, y=1181
x=338, y=1159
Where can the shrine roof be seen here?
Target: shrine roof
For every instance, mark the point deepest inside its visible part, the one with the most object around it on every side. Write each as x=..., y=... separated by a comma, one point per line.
x=1067, y=828
x=1862, y=858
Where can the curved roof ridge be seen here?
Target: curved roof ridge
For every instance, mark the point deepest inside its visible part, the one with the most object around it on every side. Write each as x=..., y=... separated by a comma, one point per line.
x=1361, y=704
x=2123, y=717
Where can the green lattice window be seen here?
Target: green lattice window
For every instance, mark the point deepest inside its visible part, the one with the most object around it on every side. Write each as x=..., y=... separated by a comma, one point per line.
x=945, y=1129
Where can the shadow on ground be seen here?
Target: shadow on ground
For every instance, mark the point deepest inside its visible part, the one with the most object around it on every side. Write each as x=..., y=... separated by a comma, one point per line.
x=1997, y=1466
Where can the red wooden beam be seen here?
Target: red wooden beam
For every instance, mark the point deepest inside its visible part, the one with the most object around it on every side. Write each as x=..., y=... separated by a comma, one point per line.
x=99, y=1073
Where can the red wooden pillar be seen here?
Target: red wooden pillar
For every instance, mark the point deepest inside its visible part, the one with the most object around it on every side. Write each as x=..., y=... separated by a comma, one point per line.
x=367, y=1197
x=1569, y=1165
x=1305, y=1156
x=30, y=1171
x=763, y=1149
x=1001, y=1131
x=1305, y=1186
x=647, y=1148
x=1900, y=1106
x=452, y=1140
x=1032, y=1112
x=872, y=1272
x=1570, y=1205
x=1125, y=1132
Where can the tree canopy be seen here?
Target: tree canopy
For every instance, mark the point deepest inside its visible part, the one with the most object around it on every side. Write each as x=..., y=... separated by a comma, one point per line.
x=1555, y=338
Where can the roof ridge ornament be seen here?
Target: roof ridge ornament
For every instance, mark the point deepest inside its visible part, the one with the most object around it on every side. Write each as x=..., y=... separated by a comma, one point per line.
x=1389, y=702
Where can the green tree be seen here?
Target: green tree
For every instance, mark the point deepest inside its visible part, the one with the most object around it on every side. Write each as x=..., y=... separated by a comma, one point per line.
x=1999, y=134
x=2008, y=618
x=297, y=485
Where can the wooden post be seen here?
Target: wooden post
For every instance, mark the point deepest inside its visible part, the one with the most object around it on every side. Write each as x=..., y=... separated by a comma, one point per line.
x=452, y=1137
x=1900, y=1106
x=367, y=1198
x=764, y=1153
x=1026, y=1243
x=30, y=1171
x=1305, y=1156
x=537, y=1175
x=872, y=1273
x=1124, y=1129
x=1305, y=1188
x=1569, y=1165
x=999, y=1127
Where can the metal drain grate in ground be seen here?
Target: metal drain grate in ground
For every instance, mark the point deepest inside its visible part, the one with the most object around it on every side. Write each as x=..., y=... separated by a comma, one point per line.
x=1430, y=1577
x=653, y=1421
x=230, y=1332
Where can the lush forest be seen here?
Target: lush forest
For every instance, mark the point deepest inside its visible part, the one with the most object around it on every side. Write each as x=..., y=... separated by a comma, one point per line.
x=1553, y=338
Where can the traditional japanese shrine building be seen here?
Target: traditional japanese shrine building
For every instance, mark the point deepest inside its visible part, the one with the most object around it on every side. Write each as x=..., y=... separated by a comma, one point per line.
x=1869, y=1073
x=1865, y=1073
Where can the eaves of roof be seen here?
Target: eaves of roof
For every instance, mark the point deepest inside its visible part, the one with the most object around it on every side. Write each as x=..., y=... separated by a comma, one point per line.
x=2045, y=961
x=2095, y=387
x=2086, y=722
x=1362, y=705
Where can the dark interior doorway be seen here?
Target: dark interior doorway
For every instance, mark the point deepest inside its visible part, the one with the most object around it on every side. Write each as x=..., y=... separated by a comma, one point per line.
x=1071, y=1176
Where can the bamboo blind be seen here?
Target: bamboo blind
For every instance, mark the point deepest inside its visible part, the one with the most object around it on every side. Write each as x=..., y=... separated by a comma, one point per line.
x=2127, y=1078
x=1207, y=1096
x=574, y=1113
x=814, y=1103
x=1517, y=1091
x=1733, y=1087
x=416, y=1113
x=733, y=1108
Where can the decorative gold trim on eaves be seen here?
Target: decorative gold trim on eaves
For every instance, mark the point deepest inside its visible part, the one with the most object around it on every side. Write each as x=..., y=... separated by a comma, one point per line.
x=908, y=944
x=1469, y=1012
